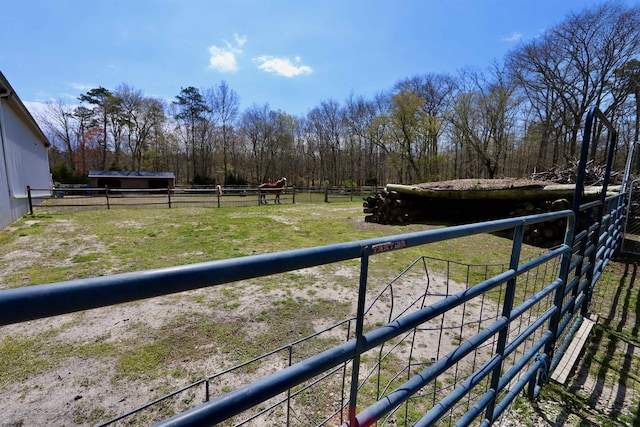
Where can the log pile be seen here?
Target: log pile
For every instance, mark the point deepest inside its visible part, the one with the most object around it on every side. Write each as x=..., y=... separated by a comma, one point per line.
x=458, y=202
x=388, y=207
x=396, y=208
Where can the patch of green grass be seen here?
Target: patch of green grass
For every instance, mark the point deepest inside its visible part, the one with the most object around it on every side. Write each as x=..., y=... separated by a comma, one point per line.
x=135, y=239
x=40, y=274
x=178, y=373
x=86, y=257
x=181, y=338
x=98, y=348
x=387, y=378
x=607, y=351
x=21, y=357
x=95, y=415
x=292, y=319
x=147, y=360
x=557, y=402
x=6, y=237
x=29, y=225
x=39, y=216
x=232, y=305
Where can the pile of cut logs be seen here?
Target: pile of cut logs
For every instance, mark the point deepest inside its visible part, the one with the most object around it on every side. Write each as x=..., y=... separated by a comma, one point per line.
x=400, y=205
x=388, y=207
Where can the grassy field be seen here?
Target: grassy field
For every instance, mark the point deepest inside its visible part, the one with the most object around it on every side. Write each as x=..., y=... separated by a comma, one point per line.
x=154, y=345
x=98, y=242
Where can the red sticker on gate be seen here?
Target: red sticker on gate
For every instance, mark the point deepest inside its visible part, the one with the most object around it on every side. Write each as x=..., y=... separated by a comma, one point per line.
x=388, y=246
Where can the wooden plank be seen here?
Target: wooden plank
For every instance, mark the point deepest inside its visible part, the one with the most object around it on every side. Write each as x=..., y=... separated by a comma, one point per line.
x=562, y=371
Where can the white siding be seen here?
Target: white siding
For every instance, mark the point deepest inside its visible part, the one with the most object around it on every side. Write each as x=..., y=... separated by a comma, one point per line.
x=23, y=161
x=7, y=216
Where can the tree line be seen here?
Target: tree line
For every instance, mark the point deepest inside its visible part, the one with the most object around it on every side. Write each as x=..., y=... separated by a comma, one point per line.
x=518, y=116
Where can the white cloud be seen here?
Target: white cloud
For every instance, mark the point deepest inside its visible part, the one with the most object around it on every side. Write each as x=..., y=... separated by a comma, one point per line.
x=81, y=86
x=37, y=109
x=65, y=95
x=282, y=66
x=513, y=37
x=240, y=40
x=223, y=59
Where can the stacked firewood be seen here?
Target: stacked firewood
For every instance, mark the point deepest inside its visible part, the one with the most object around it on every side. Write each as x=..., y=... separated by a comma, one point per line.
x=568, y=174
x=387, y=207
x=392, y=208
x=546, y=234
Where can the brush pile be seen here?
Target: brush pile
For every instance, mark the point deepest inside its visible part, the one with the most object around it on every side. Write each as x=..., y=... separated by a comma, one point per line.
x=568, y=174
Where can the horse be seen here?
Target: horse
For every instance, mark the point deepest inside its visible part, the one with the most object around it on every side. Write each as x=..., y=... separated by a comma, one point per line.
x=272, y=187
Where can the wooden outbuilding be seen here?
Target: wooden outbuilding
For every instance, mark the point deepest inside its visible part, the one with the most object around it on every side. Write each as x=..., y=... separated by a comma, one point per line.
x=131, y=179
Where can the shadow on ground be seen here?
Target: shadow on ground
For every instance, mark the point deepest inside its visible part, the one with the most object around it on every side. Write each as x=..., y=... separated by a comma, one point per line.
x=604, y=389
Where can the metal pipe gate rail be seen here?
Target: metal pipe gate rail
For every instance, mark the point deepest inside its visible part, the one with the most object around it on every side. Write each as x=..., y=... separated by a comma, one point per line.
x=593, y=233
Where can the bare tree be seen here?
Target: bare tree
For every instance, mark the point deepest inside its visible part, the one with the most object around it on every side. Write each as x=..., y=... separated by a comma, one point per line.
x=629, y=77
x=568, y=68
x=270, y=136
x=484, y=117
x=363, y=156
x=224, y=103
x=408, y=130
x=255, y=128
x=327, y=121
x=61, y=125
x=307, y=156
x=436, y=92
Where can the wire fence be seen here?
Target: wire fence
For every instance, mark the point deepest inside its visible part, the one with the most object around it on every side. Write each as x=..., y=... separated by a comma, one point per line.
x=75, y=198
x=631, y=241
x=324, y=399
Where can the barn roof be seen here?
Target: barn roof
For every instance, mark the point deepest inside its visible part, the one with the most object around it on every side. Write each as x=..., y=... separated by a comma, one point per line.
x=130, y=174
x=6, y=91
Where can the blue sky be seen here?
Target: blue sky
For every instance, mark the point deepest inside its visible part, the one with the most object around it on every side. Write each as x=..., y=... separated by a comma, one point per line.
x=290, y=54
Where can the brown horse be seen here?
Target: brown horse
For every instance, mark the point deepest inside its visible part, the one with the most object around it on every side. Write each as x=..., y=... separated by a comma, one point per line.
x=271, y=187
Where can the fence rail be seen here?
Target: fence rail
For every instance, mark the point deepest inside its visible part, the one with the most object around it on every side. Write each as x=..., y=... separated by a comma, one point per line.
x=67, y=198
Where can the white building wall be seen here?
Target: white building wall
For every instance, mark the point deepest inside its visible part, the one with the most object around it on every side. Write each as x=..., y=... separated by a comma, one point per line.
x=23, y=161
x=6, y=208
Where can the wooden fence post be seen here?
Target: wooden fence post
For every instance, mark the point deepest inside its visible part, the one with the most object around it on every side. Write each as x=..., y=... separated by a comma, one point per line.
x=106, y=195
x=326, y=194
x=169, y=196
x=294, y=194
